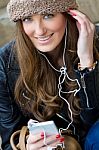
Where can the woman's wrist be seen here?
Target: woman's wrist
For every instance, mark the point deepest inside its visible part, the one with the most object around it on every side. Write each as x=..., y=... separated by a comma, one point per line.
x=90, y=68
x=86, y=61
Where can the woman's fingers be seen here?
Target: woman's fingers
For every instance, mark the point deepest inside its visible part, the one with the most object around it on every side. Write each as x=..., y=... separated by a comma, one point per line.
x=40, y=143
x=84, y=22
x=85, y=41
x=34, y=138
x=52, y=139
x=35, y=146
x=34, y=142
x=53, y=142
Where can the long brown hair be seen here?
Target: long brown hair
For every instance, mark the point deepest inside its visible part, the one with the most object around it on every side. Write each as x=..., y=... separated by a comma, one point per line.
x=36, y=88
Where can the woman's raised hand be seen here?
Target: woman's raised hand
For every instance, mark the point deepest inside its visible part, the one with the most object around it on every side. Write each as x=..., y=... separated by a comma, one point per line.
x=85, y=41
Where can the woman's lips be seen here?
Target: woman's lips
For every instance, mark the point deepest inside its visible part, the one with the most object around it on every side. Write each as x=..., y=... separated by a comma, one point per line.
x=44, y=39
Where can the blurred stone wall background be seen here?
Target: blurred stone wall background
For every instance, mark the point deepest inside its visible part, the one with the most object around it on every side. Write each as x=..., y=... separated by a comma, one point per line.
x=7, y=28
x=3, y=3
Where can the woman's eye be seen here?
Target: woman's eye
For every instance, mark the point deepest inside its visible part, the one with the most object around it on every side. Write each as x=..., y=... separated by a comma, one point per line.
x=48, y=16
x=28, y=19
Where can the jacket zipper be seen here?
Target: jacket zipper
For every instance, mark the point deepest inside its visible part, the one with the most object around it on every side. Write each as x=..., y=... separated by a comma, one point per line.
x=84, y=87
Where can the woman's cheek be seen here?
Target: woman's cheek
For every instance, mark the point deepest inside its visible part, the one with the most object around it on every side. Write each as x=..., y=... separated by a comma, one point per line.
x=28, y=30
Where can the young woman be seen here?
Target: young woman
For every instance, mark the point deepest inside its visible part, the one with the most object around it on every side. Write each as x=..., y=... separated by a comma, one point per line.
x=50, y=72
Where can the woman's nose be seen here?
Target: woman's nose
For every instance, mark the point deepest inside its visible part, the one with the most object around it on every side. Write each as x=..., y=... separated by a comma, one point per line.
x=40, y=29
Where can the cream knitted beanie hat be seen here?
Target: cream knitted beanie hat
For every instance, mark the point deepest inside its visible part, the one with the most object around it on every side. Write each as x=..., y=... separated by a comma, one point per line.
x=19, y=9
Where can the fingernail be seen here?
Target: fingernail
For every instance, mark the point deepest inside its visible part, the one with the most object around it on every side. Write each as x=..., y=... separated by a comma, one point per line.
x=73, y=14
x=57, y=136
x=42, y=134
x=69, y=9
x=62, y=139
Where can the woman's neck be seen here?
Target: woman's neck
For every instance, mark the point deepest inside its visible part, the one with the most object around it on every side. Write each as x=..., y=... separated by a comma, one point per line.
x=56, y=56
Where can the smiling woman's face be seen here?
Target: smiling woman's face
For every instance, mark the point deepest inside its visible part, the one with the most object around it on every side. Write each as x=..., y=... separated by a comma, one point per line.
x=45, y=31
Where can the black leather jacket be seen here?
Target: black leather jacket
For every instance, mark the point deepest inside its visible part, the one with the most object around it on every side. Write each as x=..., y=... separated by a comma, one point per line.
x=11, y=117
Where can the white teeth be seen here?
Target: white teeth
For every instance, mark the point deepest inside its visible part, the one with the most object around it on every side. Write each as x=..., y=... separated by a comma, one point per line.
x=43, y=38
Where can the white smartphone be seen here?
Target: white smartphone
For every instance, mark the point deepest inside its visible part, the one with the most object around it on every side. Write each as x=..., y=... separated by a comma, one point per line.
x=48, y=127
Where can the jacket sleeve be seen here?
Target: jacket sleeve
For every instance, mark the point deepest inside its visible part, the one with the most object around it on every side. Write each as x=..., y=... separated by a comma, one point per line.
x=11, y=118
x=89, y=94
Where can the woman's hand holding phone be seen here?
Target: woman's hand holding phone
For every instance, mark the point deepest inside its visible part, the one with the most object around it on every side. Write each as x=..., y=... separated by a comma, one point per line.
x=43, y=135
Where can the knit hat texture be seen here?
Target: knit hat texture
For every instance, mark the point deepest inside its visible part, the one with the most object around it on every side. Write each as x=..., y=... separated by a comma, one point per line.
x=19, y=9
